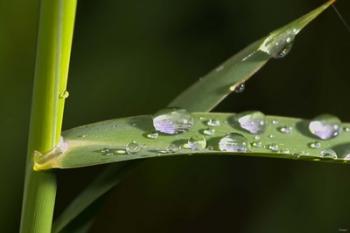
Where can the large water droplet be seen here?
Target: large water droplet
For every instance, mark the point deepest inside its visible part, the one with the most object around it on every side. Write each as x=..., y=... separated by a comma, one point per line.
x=325, y=126
x=133, y=147
x=233, y=142
x=173, y=121
x=278, y=46
x=253, y=122
x=197, y=143
x=328, y=154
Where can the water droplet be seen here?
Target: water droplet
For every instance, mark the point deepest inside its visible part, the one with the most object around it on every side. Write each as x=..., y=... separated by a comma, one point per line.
x=208, y=131
x=173, y=121
x=315, y=145
x=346, y=129
x=273, y=147
x=256, y=144
x=275, y=122
x=220, y=68
x=253, y=122
x=120, y=151
x=196, y=143
x=239, y=89
x=325, y=126
x=153, y=135
x=257, y=137
x=64, y=94
x=286, y=129
x=173, y=148
x=133, y=147
x=213, y=122
x=233, y=142
x=328, y=154
x=271, y=136
x=278, y=46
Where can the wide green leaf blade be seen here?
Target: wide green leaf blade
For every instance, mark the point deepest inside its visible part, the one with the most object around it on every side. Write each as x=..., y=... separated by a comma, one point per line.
x=108, y=141
x=211, y=89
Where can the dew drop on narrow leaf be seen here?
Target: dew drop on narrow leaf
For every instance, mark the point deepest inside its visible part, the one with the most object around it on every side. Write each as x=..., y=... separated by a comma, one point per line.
x=315, y=145
x=278, y=46
x=286, y=129
x=133, y=147
x=233, y=142
x=213, y=122
x=275, y=122
x=328, y=154
x=197, y=143
x=64, y=94
x=253, y=122
x=256, y=144
x=208, y=131
x=173, y=121
x=325, y=126
x=273, y=147
x=346, y=129
x=239, y=89
x=153, y=135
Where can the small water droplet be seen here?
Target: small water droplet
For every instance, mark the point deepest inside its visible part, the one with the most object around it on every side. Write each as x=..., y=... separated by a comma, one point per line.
x=253, y=122
x=275, y=122
x=256, y=144
x=64, y=94
x=213, y=122
x=196, y=143
x=120, y=151
x=153, y=135
x=346, y=129
x=208, y=131
x=315, y=145
x=238, y=89
x=286, y=129
x=233, y=142
x=273, y=147
x=328, y=154
x=325, y=126
x=133, y=147
x=173, y=148
x=271, y=136
x=257, y=137
x=173, y=121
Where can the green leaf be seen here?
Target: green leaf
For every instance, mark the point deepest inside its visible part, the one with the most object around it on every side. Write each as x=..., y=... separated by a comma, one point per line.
x=108, y=141
x=202, y=96
x=211, y=89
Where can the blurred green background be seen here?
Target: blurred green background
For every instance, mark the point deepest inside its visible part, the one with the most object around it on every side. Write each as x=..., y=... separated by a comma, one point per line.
x=132, y=57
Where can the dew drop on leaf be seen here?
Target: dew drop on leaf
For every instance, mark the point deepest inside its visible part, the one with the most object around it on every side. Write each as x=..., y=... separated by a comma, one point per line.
x=273, y=147
x=153, y=135
x=64, y=94
x=197, y=143
x=328, y=154
x=253, y=122
x=285, y=129
x=133, y=147
x=173, y=121
x=213, y=122
x=325, y=126
x=315, y=145
x=233, y=142
x=208, y=131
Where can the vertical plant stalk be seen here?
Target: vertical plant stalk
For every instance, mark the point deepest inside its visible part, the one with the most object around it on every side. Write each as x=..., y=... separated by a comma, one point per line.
x=56, y=24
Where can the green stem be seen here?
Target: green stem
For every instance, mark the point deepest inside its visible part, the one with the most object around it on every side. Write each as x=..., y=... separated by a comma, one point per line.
x=51, y=73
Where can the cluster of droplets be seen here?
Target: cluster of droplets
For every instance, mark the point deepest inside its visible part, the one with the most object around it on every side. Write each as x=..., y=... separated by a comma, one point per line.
x=173, y=121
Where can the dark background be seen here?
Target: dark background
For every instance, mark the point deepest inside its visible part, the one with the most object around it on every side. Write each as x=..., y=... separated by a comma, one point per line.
x=132, y=57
